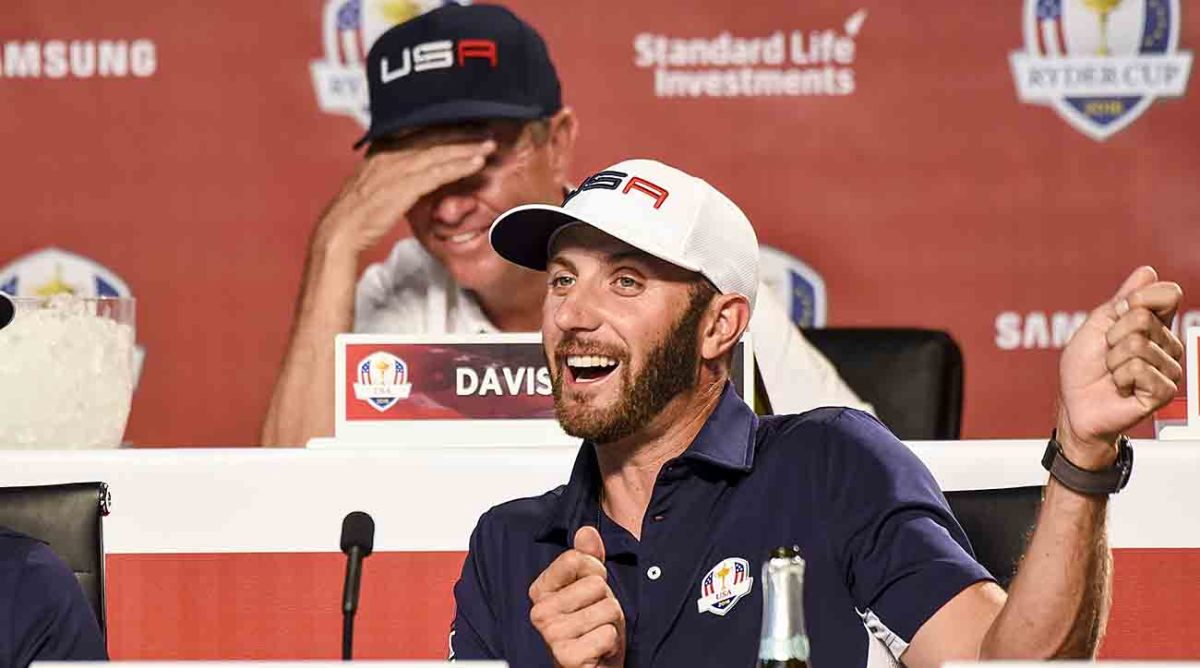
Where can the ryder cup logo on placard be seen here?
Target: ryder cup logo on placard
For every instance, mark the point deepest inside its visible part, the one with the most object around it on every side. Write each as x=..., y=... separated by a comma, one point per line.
x=382, y=380
x=724, y=586
x=349, y=28
x=1100, y=63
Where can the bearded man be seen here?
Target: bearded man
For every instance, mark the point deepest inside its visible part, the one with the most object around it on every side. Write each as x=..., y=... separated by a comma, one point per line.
x=652, y=275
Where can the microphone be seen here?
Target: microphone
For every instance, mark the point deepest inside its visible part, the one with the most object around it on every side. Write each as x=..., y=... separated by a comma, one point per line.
x=8, y=310
x=358, y=539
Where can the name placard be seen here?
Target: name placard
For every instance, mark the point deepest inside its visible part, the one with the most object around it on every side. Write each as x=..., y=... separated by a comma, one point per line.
x=479, y=389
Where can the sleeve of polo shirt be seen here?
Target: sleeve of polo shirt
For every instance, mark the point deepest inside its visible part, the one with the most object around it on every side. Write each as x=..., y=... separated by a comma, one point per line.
x=475, y=631
x=900, y=550
x=52, y=619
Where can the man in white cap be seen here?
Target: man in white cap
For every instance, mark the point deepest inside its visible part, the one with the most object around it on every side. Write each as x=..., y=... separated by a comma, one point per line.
x=646, y=556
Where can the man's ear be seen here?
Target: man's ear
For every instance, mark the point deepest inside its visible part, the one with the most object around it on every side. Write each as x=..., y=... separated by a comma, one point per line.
x=727, y=318
x=564, y=127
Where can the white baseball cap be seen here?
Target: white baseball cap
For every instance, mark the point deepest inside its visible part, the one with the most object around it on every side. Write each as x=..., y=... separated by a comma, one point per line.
x=653, y=207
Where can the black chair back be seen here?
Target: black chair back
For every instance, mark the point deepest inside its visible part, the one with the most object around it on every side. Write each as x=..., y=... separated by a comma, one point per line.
x=913, y=377
x=67, y=518
x=998, y=523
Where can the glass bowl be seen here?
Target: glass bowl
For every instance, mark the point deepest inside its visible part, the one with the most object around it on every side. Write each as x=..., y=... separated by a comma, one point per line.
x=67, y=372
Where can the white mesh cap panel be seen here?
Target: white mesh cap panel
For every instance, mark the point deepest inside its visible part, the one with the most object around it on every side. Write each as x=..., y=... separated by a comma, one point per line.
x=723, y=244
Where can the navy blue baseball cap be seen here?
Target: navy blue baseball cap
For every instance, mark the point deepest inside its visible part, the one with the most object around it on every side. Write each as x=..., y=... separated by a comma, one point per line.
x=455, y=64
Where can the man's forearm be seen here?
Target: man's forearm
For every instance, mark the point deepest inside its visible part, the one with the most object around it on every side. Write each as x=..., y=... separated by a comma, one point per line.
x=302, y=404
x=1058, y=603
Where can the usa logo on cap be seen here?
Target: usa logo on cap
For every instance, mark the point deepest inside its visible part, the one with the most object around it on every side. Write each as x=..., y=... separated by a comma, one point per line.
x=349, y=28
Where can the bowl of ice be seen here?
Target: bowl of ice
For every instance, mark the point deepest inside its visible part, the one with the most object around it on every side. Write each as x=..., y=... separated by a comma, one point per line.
x=66, y=372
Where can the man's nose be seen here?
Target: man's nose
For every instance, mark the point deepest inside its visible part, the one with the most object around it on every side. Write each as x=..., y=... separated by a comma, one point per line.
x=577, y=312
x=451, y=208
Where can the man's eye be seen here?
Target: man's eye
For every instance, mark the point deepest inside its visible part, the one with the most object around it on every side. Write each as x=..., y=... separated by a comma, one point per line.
x=562, y=281
x=627, y=282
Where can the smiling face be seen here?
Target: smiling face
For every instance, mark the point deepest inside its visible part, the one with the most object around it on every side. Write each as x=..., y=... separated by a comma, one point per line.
x=621, y=331
x=452, y=222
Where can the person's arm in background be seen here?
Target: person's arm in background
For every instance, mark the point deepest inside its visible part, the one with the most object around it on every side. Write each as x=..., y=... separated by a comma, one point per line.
x=1120, y=367
x=796, y=376
x=372, y=201
x=51, y=618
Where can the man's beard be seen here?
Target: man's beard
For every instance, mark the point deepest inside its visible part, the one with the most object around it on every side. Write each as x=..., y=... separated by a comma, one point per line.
x=671, y=367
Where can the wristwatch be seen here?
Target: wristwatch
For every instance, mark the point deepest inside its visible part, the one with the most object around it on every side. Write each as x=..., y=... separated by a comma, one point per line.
x=1109, y=481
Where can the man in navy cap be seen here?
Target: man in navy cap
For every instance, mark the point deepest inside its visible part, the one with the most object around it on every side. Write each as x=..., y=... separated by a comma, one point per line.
x=44, y=615
x=647, y=556
x=467, y=120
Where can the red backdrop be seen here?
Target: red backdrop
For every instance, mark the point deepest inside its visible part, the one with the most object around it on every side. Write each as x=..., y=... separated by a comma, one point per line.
x=929, y=196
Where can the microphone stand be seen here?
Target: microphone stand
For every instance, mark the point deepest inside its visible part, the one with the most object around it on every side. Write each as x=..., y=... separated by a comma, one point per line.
x=354, y=562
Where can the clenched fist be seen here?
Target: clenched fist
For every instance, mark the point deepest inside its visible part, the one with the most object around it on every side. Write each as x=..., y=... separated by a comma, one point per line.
x=1121, y=366
x=574, y=609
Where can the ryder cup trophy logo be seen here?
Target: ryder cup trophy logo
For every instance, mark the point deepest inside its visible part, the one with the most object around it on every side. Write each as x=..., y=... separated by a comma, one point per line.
x=1100, y=63
x=349, y=28
x=724, y=585
x=382, y=381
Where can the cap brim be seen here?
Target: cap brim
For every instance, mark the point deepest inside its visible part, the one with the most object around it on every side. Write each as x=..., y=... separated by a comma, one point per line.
x=522, y=235
x=453, y=111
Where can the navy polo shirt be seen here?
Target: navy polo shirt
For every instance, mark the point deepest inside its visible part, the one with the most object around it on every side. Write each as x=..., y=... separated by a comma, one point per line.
x=883, y=550
x=44, y=614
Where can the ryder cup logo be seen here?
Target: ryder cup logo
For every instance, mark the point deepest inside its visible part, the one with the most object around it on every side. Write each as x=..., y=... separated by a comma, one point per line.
x=724, y=586
x=52, y=271
x=1100, y=63
x=382, y=380
x=349, y=28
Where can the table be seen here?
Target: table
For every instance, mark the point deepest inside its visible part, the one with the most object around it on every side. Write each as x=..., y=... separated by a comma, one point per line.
x=233, y=553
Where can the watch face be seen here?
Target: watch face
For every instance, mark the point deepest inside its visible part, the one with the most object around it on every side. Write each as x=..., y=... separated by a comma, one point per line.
x=1124, y=461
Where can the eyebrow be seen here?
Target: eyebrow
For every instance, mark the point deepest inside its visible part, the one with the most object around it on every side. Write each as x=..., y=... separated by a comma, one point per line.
x=635, y=256
x=626, y=256
x=561, y=261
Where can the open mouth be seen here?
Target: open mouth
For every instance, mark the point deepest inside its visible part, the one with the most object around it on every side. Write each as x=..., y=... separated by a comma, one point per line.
x=590, y=368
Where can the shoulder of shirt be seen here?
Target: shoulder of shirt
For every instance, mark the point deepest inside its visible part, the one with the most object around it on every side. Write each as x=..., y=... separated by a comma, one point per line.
x=852, y=430
x=41, y=570
x=524, y=517
x=836, y=418
x=15, y=546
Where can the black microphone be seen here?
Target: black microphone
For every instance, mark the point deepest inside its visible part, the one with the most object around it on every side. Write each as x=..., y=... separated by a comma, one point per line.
x=358, y=539
x=8, y=310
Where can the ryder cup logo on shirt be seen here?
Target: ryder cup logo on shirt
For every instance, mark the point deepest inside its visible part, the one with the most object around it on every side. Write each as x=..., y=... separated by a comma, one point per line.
x=724, y=586
x=349, y=28
x=382, y=380
x=1100, y=63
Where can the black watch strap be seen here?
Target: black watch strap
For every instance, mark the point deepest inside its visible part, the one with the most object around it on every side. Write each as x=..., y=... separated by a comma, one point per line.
x=1108, y=481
